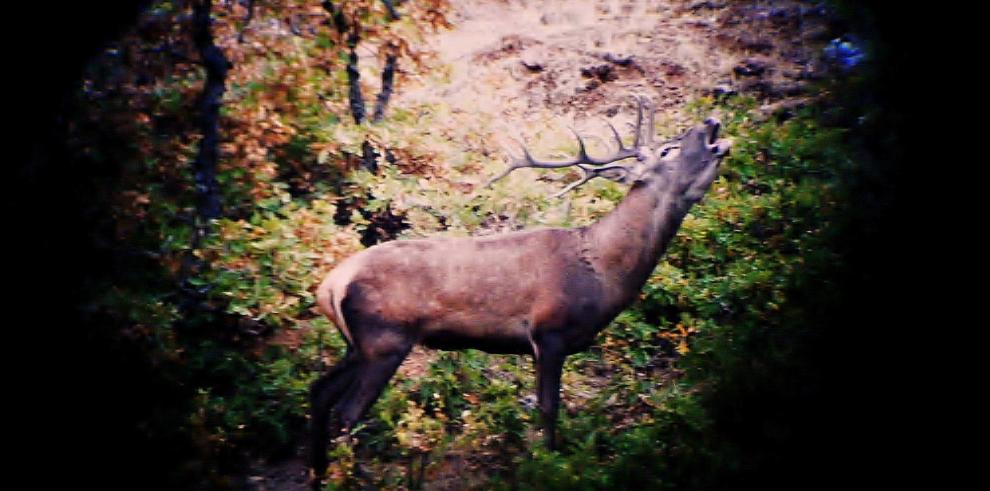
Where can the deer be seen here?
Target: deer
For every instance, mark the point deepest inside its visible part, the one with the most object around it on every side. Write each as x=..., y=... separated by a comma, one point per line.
x=546, y=293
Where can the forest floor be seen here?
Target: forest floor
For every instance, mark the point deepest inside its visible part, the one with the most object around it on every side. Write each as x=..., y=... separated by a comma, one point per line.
x=531, y=68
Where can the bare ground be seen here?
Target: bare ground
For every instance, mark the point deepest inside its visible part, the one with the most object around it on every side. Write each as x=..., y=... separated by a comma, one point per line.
x=522, y=63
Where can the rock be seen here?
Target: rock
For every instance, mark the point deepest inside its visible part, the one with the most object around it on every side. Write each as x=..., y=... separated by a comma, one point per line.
x=603, y=72
x=751, y=67
x=533, y=59
x=591, y=85
x=618, y=59
x=672, y=69
x=722, y=90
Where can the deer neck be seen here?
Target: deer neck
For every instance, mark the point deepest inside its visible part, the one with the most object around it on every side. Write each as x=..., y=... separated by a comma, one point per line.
x=625, y=245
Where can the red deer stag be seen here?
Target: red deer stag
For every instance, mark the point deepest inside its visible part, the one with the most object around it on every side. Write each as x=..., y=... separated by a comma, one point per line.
x=545, y=293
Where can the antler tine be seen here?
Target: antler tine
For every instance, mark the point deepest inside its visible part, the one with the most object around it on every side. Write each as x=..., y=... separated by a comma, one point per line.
x=499, y=176
x=618, y=139
x=621, y=153
x=582, y=150
x=647, y=103
x=587, y=177
x=589, y=174
x=639, y=120
x=512, y=165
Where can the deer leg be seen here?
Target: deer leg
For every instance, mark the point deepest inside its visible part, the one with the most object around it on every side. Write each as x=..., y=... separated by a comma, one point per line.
x=549, y=364
x=370, y=380
x=325, y=391
x=363, y=380
x=324, y=394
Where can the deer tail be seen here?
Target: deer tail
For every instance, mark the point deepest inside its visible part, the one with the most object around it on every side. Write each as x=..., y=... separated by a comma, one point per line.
x=329, y=298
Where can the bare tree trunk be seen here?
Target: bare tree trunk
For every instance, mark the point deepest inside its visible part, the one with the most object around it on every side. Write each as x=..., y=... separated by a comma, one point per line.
x=353, y=75
x=216, y=65
x=207, y=188
x=369, y=157
x=354, y=81
x=388, y=79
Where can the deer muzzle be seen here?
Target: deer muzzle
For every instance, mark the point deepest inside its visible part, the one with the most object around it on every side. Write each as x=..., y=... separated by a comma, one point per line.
x=718, y=147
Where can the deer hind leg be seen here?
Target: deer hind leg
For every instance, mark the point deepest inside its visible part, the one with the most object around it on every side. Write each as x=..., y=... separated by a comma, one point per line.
x=324, y=394
x=356, y=388
x=372, y=377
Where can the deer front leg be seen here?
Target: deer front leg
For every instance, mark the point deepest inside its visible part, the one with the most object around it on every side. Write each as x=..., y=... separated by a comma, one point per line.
x=549, y=364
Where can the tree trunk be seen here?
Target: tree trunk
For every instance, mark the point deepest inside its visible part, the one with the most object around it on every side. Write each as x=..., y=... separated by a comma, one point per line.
x=388, y=79
x=353, y=75
x=205, y=164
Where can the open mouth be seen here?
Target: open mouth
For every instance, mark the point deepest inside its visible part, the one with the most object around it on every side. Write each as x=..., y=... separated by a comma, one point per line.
x=718, y=147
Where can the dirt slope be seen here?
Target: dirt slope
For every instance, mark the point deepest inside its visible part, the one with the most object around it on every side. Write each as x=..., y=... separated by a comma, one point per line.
x=522, y=63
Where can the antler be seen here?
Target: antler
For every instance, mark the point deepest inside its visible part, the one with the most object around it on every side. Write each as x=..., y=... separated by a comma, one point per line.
x=589, y=174
x=592, y=167
x=650, y=113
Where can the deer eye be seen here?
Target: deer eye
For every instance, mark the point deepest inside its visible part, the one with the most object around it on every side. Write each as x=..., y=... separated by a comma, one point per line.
x=668, y=151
